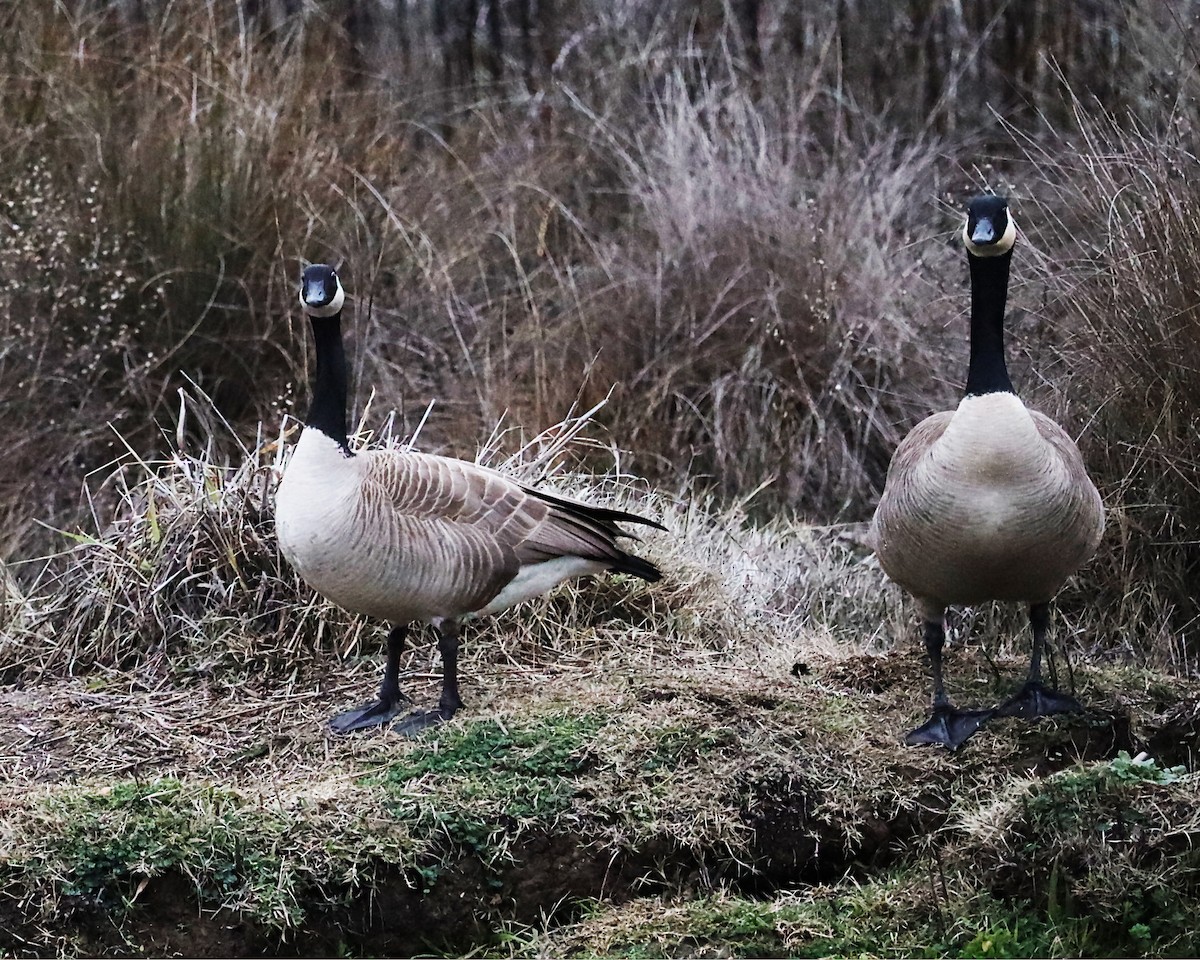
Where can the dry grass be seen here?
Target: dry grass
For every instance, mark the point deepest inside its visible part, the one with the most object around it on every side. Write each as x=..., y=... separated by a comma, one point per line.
x=1117, y=254
x=751, y=270
x=185, y=578
x=752, y=316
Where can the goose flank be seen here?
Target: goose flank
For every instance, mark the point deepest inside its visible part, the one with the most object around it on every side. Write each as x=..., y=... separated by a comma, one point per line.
x=410, y=537
x=990, y=501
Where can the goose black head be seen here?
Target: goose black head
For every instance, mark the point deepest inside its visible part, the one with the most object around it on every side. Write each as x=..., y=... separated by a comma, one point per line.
x=989, y=230
x=321, y=293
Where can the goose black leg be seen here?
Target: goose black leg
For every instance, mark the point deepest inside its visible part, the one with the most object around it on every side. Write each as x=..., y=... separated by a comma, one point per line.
x=449, y=702
x=387, y=705
x=947, y=725
x=1035, y=699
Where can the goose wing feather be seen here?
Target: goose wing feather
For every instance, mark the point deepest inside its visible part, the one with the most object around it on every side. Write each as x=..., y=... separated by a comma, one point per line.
x=915, y=446
x=1083, y=509
x=474, y=505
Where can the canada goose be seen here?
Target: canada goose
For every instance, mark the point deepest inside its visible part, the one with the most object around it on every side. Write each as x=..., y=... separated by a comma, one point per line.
x=412, y=537
x=990, y=501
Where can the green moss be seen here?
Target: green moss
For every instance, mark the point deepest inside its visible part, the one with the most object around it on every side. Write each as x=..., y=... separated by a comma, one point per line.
x=487, y=782
x=543, y=747
x=102, y=846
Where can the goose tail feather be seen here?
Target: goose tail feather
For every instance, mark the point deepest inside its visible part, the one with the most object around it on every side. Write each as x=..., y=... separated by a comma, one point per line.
x=602, y=515
x=637, y=567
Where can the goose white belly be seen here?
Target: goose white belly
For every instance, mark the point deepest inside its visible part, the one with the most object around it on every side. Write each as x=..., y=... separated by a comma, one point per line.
x=988, y=513
x=534, y=579
x=320, y=529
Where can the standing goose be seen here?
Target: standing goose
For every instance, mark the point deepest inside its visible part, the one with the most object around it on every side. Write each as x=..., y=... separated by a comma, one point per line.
x=413, y=537
x=990, y=501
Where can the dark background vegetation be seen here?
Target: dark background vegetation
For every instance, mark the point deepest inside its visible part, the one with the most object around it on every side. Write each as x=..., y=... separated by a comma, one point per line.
x=738, y=217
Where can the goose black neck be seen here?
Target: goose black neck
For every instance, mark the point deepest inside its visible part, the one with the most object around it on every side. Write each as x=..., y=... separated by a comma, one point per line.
x=327, y=412
x=989, y=293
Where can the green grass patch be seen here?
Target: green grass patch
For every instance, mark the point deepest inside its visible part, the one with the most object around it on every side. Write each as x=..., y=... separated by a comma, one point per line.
x=684, y=744
x=543, y=747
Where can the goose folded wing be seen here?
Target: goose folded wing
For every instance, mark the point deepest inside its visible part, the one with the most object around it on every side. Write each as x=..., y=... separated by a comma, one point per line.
x=916, y=445
x=462, y=496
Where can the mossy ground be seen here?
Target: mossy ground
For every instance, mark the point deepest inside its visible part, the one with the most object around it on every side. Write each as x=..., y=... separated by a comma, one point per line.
x=639, y=805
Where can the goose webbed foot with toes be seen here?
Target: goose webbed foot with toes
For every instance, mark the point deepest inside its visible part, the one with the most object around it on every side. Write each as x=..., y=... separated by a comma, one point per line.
x=1035, y=699
x=377, y=713
x=947, y=725
x=391, y=701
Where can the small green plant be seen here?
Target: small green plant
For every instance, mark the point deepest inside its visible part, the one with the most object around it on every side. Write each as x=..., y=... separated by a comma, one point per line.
x=1010, y=939
x=1143, y=769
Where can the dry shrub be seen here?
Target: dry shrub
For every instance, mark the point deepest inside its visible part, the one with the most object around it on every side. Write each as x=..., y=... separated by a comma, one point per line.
x=1118, y=224
x=185, y=577
x=794, y=315
x=761, y=320
x=62, y=260
x=137, y=194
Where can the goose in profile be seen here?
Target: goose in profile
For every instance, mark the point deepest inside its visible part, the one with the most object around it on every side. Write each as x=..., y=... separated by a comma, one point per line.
x=990, y=501
x=410, y=537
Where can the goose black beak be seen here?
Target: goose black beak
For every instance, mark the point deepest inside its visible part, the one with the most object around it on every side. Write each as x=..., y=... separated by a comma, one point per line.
x=316, y=295
x=984, y=232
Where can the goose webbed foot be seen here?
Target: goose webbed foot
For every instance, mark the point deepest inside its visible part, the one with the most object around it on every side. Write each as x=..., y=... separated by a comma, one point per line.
x=1036, y=700
x=377, y=713
x=420, y=720
x=387, y=706
x=949, y=727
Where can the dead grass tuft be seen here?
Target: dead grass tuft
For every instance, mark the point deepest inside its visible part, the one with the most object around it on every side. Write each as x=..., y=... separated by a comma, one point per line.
x=185, y=577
